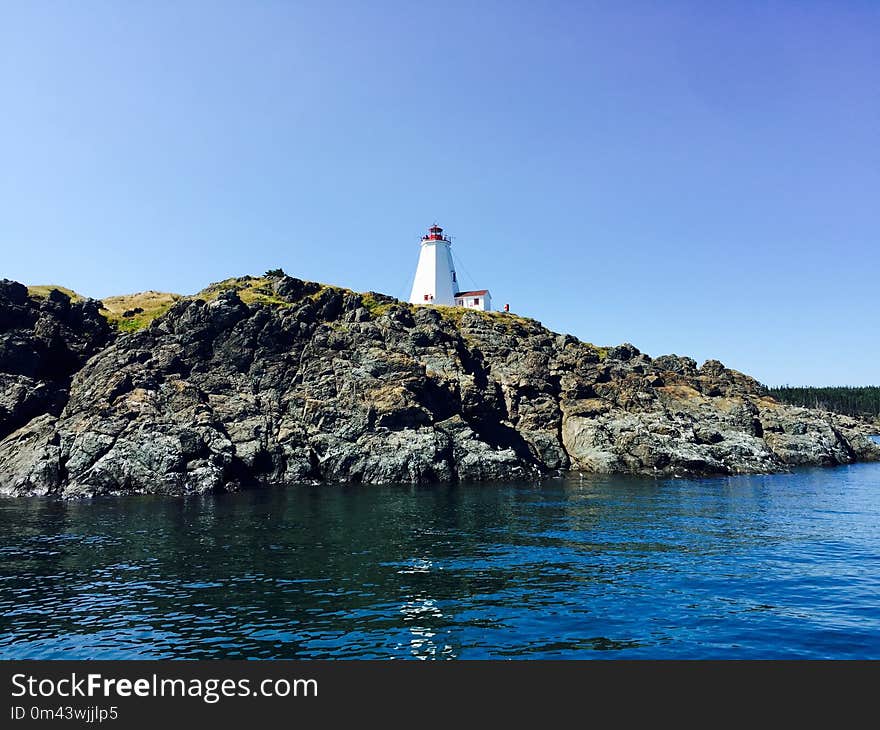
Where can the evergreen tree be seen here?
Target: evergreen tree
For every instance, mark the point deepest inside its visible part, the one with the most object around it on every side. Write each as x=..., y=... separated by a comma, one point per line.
x=849, y=400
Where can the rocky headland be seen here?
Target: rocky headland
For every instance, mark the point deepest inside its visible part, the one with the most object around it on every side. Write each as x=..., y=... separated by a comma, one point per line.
x=262, y=381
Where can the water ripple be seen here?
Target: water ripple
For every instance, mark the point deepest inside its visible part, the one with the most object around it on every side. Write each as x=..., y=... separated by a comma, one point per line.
x=784, y=566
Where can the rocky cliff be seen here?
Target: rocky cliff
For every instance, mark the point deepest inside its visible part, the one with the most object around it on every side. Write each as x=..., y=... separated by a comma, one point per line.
x=43, y=342
x=310, y=383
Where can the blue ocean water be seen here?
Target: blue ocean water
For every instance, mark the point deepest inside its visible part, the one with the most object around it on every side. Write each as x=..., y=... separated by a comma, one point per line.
x=779, y=566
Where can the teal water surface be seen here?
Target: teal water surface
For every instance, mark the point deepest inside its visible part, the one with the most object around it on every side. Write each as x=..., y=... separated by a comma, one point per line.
x=781, y=566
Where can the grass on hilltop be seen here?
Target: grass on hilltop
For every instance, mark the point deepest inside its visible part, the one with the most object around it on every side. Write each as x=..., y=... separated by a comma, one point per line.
x=259, y=290
x=251, y=290
x=507, y=319
x=153, y=303
x=374, y=306
x=41, y=291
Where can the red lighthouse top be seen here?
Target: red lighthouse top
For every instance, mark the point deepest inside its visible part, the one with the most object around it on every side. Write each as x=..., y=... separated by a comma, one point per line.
x=435, y=233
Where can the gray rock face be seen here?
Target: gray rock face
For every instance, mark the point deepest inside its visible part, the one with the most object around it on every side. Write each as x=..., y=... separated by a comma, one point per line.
x=337, y=386
x=42, y=344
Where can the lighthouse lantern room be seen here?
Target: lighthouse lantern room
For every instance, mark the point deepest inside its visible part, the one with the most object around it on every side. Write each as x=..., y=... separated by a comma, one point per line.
x=436, y=282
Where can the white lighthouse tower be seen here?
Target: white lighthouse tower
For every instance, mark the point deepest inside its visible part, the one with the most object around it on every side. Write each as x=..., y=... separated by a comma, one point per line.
x=435, y=281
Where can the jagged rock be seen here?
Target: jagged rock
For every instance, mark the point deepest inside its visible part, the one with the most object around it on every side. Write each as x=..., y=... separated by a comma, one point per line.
x=42, y=344
x=30, y=460
x=624, y=352
x=293, y=289
x=676, y=364
x=329, y=385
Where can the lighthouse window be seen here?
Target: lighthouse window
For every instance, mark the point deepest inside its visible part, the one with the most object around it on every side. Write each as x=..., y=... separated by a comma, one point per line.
x=453, y=276
x=427, y=297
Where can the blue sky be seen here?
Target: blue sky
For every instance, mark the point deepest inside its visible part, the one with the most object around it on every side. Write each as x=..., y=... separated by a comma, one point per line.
x=698, y=178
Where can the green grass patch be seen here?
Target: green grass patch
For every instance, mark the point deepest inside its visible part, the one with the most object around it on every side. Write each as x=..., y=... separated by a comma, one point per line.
x=153, y=303
x=374, y=306
x=130, y=324
x=246, y=286
x=509, y=322
x=450, y=314
x=326, y=289
x=41, y=291
x=251, y=290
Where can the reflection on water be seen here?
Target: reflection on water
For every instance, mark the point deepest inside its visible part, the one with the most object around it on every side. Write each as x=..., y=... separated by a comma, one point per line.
x=767, y=566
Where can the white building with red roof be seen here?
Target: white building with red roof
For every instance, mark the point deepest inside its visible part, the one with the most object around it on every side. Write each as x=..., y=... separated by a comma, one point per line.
x=480, y=299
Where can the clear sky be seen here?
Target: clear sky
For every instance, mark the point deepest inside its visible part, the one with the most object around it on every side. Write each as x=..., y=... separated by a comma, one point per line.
x=692, y=177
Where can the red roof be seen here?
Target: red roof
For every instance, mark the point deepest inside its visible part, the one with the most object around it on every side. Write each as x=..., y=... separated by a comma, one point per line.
x=478, y=293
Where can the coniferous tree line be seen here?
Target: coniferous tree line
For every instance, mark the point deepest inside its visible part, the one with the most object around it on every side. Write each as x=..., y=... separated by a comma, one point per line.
x=851, y=401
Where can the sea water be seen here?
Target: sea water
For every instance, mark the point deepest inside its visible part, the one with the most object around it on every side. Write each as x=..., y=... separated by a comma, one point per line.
x=778, y=566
